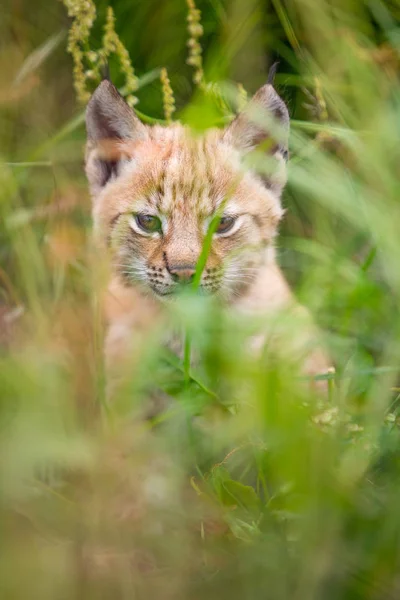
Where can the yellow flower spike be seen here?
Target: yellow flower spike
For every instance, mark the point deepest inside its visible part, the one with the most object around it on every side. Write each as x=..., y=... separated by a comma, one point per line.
x=195, y=30
x=113, y=45
x=168, y=95
x=87, y=62
x=83, y=13
x=109, y=33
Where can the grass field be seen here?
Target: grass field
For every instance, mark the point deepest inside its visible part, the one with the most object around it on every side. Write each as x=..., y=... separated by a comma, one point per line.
x=249, y=486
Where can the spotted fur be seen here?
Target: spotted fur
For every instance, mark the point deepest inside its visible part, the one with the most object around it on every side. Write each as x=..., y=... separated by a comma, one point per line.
x=185, y=181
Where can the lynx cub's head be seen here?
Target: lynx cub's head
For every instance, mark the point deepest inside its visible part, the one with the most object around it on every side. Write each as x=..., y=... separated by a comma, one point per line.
x=157, y=189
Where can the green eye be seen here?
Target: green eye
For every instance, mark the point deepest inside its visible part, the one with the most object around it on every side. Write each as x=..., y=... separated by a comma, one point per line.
x=225, y=224
x=148, y=223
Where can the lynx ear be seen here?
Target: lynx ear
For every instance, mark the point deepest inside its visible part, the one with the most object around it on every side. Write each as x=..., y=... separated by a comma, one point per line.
x=264, y=120
x=109, y=123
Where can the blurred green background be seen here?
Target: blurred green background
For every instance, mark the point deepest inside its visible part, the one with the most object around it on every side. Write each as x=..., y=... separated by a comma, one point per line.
x=249, y=486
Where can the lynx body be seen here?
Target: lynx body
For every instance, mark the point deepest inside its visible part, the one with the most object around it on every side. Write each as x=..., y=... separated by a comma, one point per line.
x=156, y=191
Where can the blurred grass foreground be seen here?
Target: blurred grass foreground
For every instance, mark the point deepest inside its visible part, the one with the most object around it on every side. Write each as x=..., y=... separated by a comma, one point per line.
x=248, y=486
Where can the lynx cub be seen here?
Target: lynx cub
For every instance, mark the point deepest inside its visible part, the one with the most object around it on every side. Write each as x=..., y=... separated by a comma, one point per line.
x=155, y=191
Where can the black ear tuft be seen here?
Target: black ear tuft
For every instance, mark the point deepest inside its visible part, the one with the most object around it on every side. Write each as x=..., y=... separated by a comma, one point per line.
x=272, y=73
x=105, y=71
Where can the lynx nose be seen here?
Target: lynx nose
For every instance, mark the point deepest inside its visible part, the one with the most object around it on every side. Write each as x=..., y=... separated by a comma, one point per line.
x=182, y=273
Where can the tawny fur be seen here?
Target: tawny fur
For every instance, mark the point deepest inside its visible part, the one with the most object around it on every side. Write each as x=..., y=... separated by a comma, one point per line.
x=184, y=181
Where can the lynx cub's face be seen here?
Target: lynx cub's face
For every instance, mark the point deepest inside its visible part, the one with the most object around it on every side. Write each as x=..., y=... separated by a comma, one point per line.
x=156, y=191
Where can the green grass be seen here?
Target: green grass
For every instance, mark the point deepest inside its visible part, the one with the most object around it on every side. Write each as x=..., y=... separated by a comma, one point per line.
x=248, y=485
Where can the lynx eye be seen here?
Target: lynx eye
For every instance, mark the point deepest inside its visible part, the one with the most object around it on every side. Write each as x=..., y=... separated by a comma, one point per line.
x=226, y=224
x=148, y=223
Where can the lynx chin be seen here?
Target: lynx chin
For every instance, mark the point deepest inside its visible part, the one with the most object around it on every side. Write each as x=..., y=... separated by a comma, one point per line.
x=156, y=190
